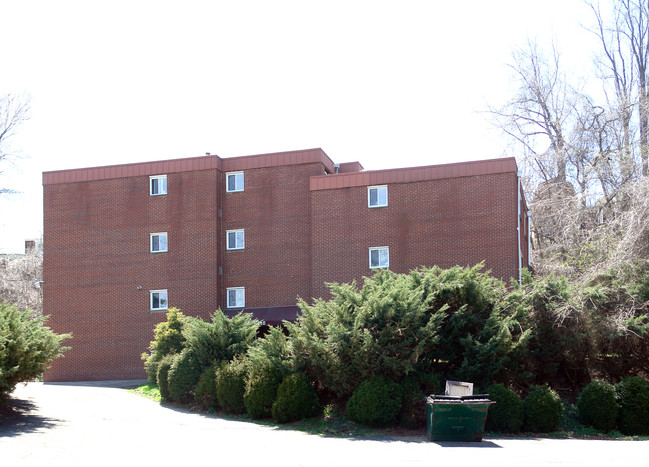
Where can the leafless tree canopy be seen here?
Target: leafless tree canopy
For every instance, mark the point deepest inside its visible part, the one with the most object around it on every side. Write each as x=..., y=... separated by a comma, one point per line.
x=585, y=160
x=14, y=110
x=17, y=276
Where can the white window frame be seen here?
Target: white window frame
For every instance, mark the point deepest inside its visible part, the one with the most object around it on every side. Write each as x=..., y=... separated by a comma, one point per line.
x=236, y=185
x=158, y=234
x=159, y=178
x=379, y=248
x=378, y=197
x=236, y=304
x=166, y=300
x=236, y=246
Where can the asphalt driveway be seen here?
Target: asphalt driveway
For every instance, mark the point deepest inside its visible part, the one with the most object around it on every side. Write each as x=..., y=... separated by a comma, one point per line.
x=94, y=424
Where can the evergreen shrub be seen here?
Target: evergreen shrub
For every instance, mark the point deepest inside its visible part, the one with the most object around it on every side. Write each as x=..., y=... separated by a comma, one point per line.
x=542, y=410
x=27, y=347
x=219, y=339
x=633, y=396
x=597, y=406
x=167, y=339
x=261, y=391
x=162, y=377
x=296, y=399
x=506, y=415
x=415, y=387
x=231, y=385
x=205, y=391
x=183, y=376
x=376, y=402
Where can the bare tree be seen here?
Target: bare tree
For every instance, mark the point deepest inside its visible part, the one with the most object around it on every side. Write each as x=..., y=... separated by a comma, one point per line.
x=18, y=276
x=14, y=110
x=624, y=65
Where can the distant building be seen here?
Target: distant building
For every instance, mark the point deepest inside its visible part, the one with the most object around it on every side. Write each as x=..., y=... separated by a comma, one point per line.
x=123, y=243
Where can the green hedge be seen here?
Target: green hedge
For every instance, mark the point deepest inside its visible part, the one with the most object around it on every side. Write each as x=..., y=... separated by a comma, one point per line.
x=542, y=410
x=261, y=391
x=163, y=376
x=597, y=406
x=633, y=395
x=183, y=376
x=376, y=402
x=506, y=415
x=296, y=399
x=205, y=390
x=231, y=385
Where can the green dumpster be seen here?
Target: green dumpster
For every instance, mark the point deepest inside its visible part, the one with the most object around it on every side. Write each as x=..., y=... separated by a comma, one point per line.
x=456, y=418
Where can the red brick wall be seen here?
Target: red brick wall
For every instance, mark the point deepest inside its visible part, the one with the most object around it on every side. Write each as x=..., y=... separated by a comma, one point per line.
x=96, y=240
x=446, y=222
x=274, y=210
x=96, y=244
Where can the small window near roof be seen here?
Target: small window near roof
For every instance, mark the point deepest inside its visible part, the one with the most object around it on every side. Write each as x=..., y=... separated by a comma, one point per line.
x=233, y=181
x=236, y=297
x=379, y=257
x=377, y=196
x=235, y=239
x=158, y=242
x=158, y=185
x=158, y=299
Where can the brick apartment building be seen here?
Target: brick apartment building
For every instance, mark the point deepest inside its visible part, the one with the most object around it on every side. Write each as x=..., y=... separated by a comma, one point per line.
x=122, y=243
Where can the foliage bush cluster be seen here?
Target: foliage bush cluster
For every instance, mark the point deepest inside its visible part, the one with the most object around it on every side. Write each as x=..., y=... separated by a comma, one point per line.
x=296, y=399
x=376, y=402
x=27, y=347
x=404, y=334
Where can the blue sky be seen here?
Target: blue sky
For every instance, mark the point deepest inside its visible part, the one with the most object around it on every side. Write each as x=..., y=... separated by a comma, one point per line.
x=390, y=84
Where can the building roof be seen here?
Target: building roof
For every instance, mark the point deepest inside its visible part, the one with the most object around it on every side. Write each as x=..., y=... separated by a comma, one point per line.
x=414, y=174
x=304, y=156
x=349, y=174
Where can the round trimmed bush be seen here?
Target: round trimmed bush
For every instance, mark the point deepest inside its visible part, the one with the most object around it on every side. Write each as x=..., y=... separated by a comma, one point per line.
x=205, y=390
x=163, y=376
x=376, y=402
x=183, y=376
x=261, y=391
x=296, y=399
x=633, y=396
x=231, y=385
x=597, y=407
x=542, y=410
x=506, y=415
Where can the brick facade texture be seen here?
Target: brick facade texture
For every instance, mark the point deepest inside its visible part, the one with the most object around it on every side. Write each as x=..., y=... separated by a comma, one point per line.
x=98, y=268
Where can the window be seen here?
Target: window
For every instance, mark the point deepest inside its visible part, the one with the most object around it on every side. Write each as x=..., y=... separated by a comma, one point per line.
x=158, y=299
x=158, y=242
x=234, y=181
x=158, y=185
x=236, y=297
x=235, y=240
x=377, y=196
x=379, y=257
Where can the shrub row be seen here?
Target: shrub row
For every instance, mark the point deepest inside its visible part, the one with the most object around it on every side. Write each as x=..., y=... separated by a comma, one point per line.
x=458, y=324
x=600, y=405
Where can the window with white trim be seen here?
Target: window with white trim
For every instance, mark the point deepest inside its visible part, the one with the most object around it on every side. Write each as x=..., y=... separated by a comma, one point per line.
x=235, y=239
x=233, y=181
x=379, y=257
x=157, y=185
x=158, y=242
x=158, y=299
x=236, y=297
x=377, y=196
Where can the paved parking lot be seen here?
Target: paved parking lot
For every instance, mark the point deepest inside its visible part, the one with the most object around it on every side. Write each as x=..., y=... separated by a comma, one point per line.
x=102, y=425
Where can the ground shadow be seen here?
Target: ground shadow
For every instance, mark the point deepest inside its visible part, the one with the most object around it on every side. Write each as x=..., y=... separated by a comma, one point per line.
x=19, y=418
